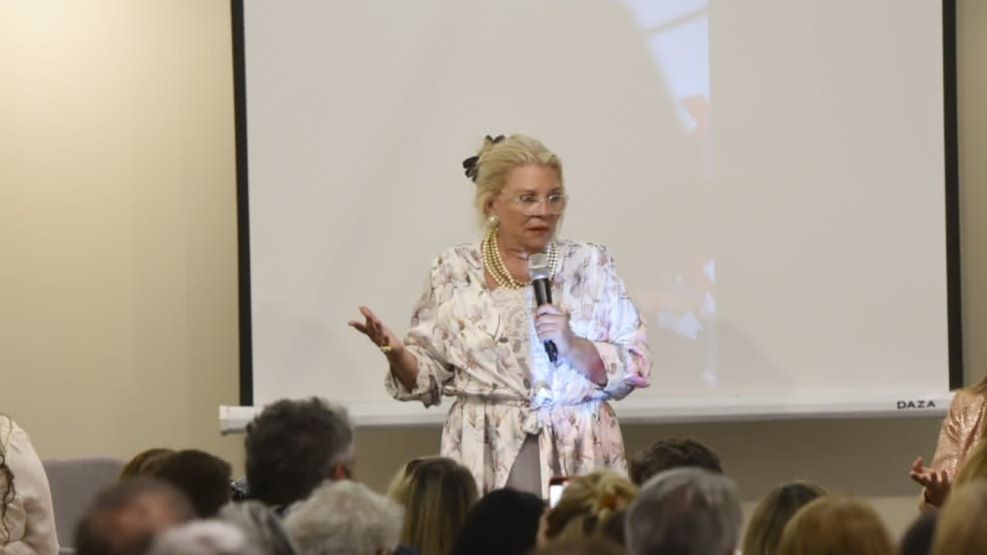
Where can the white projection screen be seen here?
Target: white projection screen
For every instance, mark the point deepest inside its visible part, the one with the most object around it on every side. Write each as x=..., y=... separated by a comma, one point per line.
x=773, y=178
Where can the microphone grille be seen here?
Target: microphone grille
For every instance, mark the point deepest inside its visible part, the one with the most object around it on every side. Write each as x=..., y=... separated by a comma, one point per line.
x=538, y=266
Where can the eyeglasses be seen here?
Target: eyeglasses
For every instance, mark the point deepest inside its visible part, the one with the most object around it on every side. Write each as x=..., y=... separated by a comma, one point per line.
x=528, y=203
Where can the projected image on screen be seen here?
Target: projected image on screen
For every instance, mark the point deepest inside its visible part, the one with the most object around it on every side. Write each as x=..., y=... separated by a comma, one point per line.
x=682, y=306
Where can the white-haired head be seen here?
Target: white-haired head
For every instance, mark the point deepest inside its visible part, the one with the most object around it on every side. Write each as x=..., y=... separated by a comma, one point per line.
x=203, y=537
x=684, y=510
x=344, y=518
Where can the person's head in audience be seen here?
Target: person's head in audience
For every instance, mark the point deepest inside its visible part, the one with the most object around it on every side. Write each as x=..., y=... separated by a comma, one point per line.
x=293, y=445
x=203, y=537
x=204, y=478
x=144, y=462
x=503, y=522
x=397, y=489
x=835, y=524
x=773, y=512
x=586, y=506
x=344, y=517
x=613, y=530
x=684, y=510
x=440, y=494
x=126, y=518
x=260, y=525
x=918, y=537
x=666, y=454
x=962, y=524
x=584, y=546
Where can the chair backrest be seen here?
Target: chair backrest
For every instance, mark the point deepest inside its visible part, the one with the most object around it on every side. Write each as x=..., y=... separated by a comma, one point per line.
x=74, y=485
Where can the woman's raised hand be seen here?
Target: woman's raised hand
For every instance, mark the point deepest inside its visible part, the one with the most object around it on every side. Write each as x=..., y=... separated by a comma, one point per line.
x=936, y=484
x=377, y=332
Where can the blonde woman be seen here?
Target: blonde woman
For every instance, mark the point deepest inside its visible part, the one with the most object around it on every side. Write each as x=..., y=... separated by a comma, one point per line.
x=962, y=521
x=440, y=494
x=835, y=525
x=773, y=512
x=524, y=410
x=586, y=507
x=960, y=432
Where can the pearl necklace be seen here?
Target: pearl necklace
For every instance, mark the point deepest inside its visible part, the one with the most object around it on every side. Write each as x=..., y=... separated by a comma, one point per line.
x=494, y=263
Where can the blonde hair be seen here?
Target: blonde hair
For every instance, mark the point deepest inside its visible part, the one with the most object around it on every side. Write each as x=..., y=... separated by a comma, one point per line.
x=962, y=520
x=773, y=512
x=397, y=489
x=440, y=494
x=835, y=524
x=974, y=467
x=496, y=158
x=587, y=504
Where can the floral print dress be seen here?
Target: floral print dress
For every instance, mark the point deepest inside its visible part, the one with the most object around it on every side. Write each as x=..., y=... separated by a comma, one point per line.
x=480, y=347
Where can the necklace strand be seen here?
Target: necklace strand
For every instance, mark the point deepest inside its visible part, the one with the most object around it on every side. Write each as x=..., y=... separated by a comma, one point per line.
x=494, y=263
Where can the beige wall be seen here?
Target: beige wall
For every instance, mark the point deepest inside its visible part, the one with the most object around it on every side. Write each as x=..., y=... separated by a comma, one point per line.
x=118, y=254
x=117, y=223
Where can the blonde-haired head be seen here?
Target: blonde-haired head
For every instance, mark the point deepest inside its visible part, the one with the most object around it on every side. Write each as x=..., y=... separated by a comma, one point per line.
x=835, y=524
x=495, y=160
x=587, y=504
x=962, y=520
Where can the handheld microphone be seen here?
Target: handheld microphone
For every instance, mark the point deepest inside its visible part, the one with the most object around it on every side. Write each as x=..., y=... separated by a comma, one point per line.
x=541, y=273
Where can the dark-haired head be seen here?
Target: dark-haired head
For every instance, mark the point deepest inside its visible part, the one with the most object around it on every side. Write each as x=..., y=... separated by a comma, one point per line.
x=503, y=522
x=666, y=454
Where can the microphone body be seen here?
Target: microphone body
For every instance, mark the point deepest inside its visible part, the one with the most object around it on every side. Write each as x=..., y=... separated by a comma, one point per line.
x=540, y=272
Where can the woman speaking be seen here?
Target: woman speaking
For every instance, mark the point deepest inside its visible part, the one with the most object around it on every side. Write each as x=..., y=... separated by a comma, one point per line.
x=478, y=335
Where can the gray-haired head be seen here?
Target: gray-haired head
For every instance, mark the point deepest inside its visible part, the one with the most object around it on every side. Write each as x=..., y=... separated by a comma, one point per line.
x=260, y=525
x=684, y=511
x=344, y=518
x=203, y=537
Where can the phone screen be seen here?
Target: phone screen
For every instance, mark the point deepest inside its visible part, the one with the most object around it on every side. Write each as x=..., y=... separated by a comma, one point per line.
x=555, y=488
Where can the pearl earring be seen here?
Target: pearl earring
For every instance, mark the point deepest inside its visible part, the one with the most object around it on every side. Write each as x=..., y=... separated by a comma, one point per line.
x=492, y=220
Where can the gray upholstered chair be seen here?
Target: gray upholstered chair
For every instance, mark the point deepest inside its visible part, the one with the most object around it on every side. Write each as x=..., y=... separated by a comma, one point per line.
x=74, y=485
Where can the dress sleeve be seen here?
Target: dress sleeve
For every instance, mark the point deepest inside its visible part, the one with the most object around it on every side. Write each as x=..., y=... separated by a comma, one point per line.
x=31, y=485
x=428, y=341
x=955, y=436
x=624, y=346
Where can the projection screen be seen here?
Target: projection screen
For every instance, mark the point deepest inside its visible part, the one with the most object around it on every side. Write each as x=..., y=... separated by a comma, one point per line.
x=771, y=176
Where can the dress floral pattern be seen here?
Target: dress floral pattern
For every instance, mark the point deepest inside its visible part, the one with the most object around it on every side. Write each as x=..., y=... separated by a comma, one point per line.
x=480, y=347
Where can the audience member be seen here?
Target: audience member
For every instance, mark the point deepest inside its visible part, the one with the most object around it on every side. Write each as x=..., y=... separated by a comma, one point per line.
x=27, y=519
x=345, y=518
x=503, y=522
x=773, y=512
x=918, y=538
x=960, y=432
x=260, y=525
x=293, y=445
x=963, y=521
x=203, y=478
x=586, y=506
x=613, y=530
x=835, y=525
x=126, y=518
x=666, y=454
x=440, y=494
x=203, y=537
x=144, y=462
x=397, y=489
x=684, y=510
x=584, y=546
